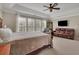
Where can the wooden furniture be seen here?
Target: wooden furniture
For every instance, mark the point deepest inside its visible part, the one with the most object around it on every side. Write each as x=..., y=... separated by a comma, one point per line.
x=64, y=32
x=25, y=43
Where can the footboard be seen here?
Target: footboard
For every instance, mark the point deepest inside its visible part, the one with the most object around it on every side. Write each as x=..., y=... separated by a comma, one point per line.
x=25, y=46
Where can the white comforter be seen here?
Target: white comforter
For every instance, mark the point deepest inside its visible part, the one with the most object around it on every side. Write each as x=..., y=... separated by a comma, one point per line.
x=26, y=35
x=20, y=36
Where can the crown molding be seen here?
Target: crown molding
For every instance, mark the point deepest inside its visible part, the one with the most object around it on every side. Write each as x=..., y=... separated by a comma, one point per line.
x=30, y=11
x=18, y=9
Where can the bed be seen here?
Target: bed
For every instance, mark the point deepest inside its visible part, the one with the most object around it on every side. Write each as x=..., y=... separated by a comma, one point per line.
x=21, y=43
x=27, y=42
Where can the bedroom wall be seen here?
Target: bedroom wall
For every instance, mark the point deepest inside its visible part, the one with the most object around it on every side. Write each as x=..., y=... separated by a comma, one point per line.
x=0, y=13
x=0, y=10
x=73, y=22
x=10, y=20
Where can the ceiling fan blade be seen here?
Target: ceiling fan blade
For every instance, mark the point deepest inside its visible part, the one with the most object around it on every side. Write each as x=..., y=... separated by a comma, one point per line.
x=55, y=4
x=57, y=8
x=46, y=6
x=45, y=9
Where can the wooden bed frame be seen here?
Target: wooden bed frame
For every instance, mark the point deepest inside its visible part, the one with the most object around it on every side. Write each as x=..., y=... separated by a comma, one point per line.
x=30, y=45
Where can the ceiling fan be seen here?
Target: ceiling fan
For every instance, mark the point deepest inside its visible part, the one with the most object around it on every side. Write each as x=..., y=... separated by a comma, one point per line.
x=52, y=7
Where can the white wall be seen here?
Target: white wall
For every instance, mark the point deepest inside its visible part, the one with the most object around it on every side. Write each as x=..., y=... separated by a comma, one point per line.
x=10, y=20
x=0, y=13
x=73, y=22
x=0, y=10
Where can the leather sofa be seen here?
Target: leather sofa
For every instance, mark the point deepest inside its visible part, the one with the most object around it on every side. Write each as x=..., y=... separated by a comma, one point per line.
x=64, y=32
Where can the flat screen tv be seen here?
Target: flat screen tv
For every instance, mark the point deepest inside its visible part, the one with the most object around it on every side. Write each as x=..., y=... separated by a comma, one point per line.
x=63, y=23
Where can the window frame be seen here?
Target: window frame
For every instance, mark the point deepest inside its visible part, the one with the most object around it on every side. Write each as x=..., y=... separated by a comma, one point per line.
x=34, y=30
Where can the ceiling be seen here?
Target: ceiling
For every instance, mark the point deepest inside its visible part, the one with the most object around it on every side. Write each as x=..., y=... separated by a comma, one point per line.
x=39, y=7
x=65, y=8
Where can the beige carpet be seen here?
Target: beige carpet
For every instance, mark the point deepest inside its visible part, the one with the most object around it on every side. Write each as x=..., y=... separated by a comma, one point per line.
x=62, y=46
x=48, y=51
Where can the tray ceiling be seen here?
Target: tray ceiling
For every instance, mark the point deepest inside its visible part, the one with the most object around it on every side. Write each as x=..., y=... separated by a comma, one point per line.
x=65, y=8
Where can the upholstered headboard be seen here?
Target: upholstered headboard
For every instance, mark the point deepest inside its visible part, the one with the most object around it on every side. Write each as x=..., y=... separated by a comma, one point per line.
x=1, y=23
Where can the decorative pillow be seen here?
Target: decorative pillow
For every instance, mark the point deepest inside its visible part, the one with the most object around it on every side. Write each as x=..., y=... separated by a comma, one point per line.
x=5, y=33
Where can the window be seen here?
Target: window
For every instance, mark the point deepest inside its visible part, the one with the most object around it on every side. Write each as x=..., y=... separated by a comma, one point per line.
x=38, y=25
x=21, y=24
x=31, y=24
x=25, y=24
x=43, y=24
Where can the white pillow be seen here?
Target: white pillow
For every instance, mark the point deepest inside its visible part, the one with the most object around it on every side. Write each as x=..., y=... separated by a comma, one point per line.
x=5, y=33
